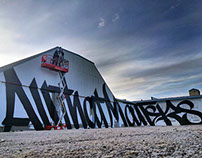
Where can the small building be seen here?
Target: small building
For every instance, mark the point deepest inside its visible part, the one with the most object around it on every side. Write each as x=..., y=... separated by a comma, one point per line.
x=194, y=92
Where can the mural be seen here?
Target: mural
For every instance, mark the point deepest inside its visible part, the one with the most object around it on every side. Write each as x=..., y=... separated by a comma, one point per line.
x=133, y=114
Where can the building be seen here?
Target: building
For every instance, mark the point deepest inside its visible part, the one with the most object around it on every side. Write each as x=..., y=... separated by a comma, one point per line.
x=36, y=93
x=194, y=92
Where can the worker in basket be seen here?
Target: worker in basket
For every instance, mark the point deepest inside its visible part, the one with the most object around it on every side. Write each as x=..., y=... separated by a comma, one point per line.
x=58, y=57
x=55, y=57
x=61, y=57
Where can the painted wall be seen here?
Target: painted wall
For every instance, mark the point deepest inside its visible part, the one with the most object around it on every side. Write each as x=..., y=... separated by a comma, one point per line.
x=27, y=90
x=168, y=112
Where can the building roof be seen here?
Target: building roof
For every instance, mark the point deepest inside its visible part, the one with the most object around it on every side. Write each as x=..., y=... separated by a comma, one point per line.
x=193, y=89
x=153, y=100
x=6, y=67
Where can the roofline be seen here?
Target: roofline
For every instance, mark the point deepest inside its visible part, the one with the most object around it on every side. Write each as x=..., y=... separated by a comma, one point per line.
x=8, y=66
x=77, y=55
x=159, y=100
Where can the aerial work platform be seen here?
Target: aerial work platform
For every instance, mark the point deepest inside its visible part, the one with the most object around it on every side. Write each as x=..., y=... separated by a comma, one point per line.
x=60, y=65
x=48, y=61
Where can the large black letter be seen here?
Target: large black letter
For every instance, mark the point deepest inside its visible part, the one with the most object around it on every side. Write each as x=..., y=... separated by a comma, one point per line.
x=13, y=85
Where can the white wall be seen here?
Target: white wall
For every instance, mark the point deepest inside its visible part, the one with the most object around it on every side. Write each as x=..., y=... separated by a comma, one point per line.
x=84, y=78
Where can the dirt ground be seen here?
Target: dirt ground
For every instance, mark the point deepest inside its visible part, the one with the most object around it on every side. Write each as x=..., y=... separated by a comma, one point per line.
x=168, y=141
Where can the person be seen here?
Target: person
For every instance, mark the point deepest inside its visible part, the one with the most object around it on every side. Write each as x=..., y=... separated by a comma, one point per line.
x=55, y=57
x=61, y=57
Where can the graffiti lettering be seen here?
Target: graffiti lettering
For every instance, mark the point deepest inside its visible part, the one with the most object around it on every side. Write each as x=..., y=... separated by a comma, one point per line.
x=133, y=114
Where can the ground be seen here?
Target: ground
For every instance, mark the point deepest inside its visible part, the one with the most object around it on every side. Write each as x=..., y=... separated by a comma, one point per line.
x=167, y=141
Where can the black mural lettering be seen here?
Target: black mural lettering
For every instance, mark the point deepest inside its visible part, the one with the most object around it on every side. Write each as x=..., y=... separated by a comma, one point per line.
x=189, y=111
x=96, y=119
x=140, y=116
x=174, y=114
x=55, y=89
x=10, y=100
x=67, y=121
x=150, y=111
x=141, y=113
x=16, y=122
x=73, y=112
x=160, y=115
x=66, y=117
x=14, y=86
x=121, y=113
x=178, y=109
x=97, y=102
x=49, y=103
x=67, y=93
x=163, y=116
x=127, y=107
x=89, y=121
x=34, y=91
x=146, y=114
x=21, y=121
x=109, y=106
x=116, y=109
x=132, y=112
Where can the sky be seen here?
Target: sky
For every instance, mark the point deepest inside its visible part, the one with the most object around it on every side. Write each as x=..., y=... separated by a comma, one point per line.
x=142, y=48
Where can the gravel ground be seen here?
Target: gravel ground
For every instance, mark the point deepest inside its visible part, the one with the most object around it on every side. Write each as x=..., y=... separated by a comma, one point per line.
x=168, y=141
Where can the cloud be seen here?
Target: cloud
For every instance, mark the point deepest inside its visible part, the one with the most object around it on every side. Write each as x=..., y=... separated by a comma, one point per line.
x=175, y=5
x=153, y=51
x=165, y=81
x=183, y=68
x=101, y=23
x=116, y=17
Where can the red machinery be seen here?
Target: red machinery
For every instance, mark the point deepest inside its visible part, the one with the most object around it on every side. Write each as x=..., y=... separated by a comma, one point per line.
x=59, y=127
x=48, y=61
x=60, y=65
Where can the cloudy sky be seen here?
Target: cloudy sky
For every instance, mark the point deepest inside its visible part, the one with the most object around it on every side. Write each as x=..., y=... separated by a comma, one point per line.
x=142, y=48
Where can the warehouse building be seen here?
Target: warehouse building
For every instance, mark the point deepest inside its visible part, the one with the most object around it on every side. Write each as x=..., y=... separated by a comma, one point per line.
x=58, y=89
